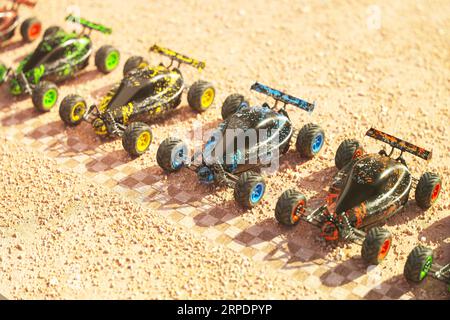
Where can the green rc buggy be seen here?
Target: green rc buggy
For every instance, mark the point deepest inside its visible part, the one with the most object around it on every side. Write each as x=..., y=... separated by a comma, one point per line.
x=145, y=93
x=59, y=56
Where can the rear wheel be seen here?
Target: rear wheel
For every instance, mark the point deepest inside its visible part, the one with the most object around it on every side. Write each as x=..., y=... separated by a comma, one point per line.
x=45, y=96
x=172, y=154
x=50, y=31
x=249, y=189
x=348, y=150
x=376, y=245
x=418, y=264
x=289, y=206
x=30, y=29
x=310, y=140
x=201, y=95
x=137, y=138
x=72, y=109
x=232, y=104
x=132, y=63
x=107, y=59
x=428, y=190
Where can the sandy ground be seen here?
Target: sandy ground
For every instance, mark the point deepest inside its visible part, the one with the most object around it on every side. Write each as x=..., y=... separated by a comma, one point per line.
x=70, y=238
x=392, y=73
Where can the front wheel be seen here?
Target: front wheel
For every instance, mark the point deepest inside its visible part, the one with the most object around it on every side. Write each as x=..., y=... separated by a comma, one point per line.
x=418, y=264
x=50, y=31
x=232, y=104
x=132, y=63
x=45, y=96
x=249, y=189
x=30, y=29
x=348, y=150
x=290, y=206
x=428, y=190
x=72, y=109
x=172, y=154
x=201, y=95
x=107, y=59
x=376, y=245
x=137, y=138
x=310, y=140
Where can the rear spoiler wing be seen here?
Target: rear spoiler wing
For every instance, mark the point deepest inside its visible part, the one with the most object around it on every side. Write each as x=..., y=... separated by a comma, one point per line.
x=283, y=97
x=399, y=144
x=88, y=24
x=180, y=58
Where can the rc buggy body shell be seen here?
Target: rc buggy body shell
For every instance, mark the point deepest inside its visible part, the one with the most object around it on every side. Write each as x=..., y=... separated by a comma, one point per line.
x=142, y=95
x=369, y=189
x=57, y=57
x=276, y=132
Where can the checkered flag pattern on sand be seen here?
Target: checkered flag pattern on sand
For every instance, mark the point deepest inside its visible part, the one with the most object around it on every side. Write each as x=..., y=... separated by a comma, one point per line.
x=338, y=281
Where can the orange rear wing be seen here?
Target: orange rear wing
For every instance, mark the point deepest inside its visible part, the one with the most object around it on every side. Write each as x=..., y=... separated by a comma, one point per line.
x=399, y=144
x=180, y=58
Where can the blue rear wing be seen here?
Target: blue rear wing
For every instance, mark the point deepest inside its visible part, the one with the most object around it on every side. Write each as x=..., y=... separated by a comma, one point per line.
x=283, y=97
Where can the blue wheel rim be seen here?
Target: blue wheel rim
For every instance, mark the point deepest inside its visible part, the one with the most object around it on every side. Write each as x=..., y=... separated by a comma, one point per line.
x=317, y=143
x=178, y=160
x=257, y=192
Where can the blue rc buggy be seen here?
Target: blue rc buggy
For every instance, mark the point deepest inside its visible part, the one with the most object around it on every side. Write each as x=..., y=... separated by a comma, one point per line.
x=248, y=138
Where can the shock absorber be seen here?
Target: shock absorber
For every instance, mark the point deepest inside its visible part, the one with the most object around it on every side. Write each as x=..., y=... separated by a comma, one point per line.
x=111, y=124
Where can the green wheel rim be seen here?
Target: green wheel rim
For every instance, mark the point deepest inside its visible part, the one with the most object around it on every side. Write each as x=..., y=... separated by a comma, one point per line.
x=2, y=73
x=426, y=267
x=49, y=99
x=112, y=60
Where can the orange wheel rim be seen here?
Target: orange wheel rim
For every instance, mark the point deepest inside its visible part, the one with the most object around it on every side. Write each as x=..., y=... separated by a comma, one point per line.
x=436, y=191
x=34, y=30
x=326, y=234
x=298, y=209
x=384, y=249
x=357, y=154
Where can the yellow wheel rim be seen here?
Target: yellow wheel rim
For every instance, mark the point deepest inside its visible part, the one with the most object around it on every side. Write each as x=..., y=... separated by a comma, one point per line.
x=143, y=141
x=99, y=127
x=78, y=111
x=207, y=98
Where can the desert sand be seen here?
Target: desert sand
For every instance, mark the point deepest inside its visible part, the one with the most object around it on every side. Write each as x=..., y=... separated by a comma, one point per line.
x=65, y=235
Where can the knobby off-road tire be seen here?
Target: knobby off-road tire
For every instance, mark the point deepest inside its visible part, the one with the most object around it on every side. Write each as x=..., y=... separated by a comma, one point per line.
x=310, y=140
x=418, y=264
x=347, y=150
x=286, y=204
x=428, y=190
x=171, y=154
x=137, y=138
x=232, y=104
x=107, y=59
x=201, y=95
x=45, y=96
x=132, y=63
x=371, y=250
x=249, y=189
x=30, y=29
x=72, y=109
x=50, y=31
